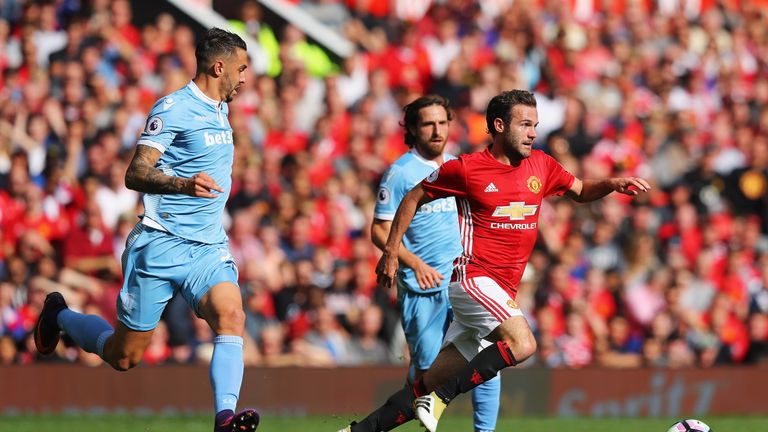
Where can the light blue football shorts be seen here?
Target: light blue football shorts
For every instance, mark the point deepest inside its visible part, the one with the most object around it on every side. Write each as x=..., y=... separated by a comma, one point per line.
x=425, y=320
x=157, y=265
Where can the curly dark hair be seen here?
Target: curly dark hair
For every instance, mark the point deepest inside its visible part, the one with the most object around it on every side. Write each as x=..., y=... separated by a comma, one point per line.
x=411, y=114
x=501, y=106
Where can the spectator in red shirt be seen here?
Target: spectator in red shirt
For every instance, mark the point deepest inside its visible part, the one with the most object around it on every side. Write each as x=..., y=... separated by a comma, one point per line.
x=35, y=218
x=88, y=248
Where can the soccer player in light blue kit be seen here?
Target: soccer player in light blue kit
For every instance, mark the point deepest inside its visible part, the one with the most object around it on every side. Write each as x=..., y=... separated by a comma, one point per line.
x=183, y=165
x=430, y=246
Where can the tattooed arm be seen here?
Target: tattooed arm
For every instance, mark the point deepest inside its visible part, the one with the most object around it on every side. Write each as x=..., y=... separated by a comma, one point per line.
x=143, y=176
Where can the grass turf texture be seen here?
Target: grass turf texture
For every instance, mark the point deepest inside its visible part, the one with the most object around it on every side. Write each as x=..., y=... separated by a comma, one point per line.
x=141, y=423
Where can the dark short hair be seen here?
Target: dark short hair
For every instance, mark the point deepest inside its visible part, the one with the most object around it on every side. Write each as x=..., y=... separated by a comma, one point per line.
x=411, y=114
x=501, y=106
x=216, y=42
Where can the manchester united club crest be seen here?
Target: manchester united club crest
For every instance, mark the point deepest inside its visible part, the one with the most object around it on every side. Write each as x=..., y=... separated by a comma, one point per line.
x=534, y=184
x=513, y=304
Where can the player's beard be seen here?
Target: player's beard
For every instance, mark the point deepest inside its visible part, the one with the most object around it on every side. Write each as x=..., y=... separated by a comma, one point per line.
x=230, y=94
x=431, y=150
x=513, y=146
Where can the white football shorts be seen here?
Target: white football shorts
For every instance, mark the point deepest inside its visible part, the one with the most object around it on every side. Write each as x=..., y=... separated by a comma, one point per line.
x=479, y=306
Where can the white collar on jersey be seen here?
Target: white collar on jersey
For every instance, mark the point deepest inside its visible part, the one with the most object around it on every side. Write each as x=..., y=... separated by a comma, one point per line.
x=202, y=96
x=425, y=161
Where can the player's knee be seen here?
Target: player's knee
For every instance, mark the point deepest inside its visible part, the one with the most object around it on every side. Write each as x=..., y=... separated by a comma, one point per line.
x=231, y=320
x=527, y=347
x=124, y=361
x=522, y=348
x=121, y=365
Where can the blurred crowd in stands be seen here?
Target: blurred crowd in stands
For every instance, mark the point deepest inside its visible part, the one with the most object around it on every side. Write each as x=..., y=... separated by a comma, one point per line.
x=673, y=91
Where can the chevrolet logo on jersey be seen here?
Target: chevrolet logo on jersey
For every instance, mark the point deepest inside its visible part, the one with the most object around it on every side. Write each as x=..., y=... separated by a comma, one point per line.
x=515, y=211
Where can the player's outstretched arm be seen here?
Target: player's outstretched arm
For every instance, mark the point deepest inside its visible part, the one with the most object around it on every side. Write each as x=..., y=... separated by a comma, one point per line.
x=143, y=176
x=591, y=190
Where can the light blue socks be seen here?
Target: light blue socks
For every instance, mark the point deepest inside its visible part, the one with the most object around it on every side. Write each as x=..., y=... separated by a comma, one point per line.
x=485, y=401
x=90, y=332
x=226, y=371
x=411, y=374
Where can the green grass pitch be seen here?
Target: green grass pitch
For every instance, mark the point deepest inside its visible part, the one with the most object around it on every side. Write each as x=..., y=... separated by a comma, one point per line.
x=141, y=423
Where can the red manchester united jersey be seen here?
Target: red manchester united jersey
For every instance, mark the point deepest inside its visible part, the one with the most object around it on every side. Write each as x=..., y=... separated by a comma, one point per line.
x=498, y=208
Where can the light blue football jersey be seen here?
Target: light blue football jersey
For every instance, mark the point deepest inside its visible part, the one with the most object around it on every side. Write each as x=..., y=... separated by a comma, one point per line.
x=433, y=234
x=193, y=133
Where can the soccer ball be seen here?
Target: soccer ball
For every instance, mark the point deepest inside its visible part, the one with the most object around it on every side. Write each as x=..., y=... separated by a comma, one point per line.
x=690, y=425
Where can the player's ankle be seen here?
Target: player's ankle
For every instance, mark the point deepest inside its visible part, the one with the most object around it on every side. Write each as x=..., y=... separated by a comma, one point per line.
x=224, y=415
x=443, y=395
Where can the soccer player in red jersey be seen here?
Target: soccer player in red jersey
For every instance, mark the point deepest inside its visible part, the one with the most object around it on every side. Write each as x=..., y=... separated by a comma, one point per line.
x=498, y=193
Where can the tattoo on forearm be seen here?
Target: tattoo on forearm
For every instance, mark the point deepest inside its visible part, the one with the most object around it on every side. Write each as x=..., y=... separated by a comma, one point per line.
x=143, y=176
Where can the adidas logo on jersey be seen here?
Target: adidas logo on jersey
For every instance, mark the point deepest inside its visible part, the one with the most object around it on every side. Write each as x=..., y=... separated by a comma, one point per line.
x=491, y=188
